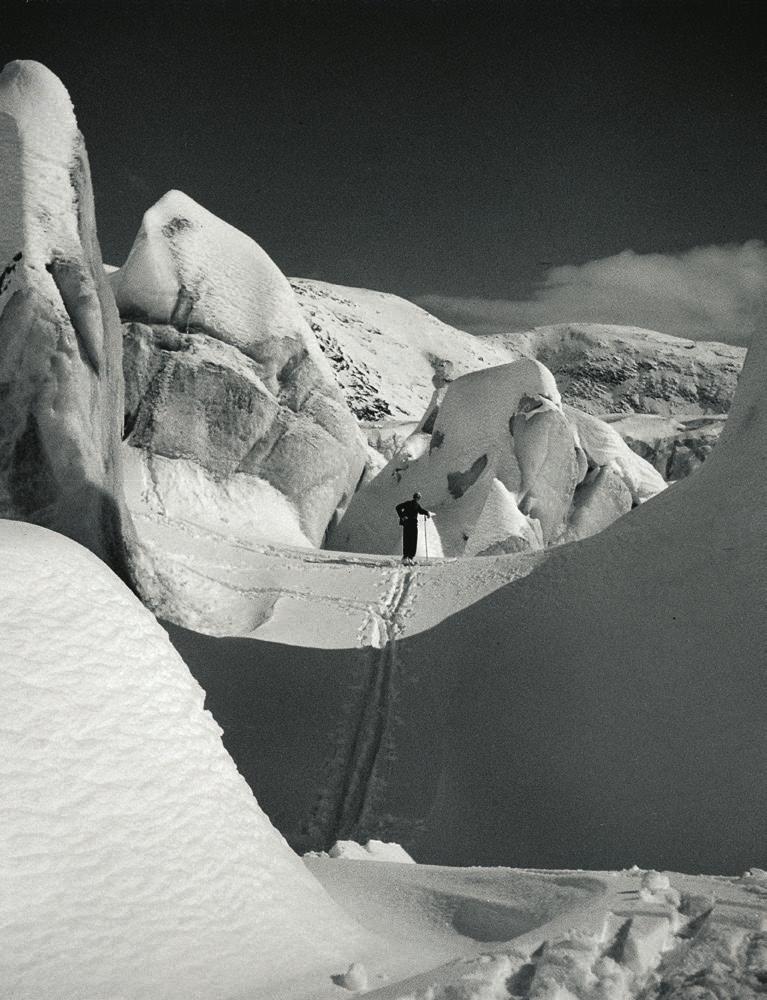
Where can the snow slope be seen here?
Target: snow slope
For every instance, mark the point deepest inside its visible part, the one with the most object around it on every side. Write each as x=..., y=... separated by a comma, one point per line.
x=603, y=368
x=385, y=352
x=137, y=864
x=384, y=349
x=639, y=652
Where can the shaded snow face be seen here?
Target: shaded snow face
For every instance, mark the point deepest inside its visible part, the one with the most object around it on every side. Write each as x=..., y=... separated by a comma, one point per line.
x=60, y=343
x=137, y=864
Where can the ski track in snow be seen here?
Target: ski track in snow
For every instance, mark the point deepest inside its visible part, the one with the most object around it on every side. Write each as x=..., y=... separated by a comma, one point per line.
x=372, y=747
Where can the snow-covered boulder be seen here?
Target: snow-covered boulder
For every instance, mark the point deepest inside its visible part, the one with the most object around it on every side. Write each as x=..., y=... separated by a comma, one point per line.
x=60, y=339
x=225, y=380
x=500, y=464
x=136, y=862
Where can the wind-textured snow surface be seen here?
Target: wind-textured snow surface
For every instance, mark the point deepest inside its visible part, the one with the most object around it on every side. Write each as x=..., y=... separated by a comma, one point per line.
x=136, y=862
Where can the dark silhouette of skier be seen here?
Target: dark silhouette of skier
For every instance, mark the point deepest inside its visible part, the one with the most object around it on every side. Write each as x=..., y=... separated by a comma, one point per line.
x=408, y=512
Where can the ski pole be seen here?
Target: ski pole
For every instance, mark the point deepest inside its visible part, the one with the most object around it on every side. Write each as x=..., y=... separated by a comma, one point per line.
x=426, y=536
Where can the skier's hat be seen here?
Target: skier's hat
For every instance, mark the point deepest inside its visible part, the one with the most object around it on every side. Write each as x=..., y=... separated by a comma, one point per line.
x=417, y=495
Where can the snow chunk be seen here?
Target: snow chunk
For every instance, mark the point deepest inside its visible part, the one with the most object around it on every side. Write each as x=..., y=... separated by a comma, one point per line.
x=373, y=850
x=354, y=979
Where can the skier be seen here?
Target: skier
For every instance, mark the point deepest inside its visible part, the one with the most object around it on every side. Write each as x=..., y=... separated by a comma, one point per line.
x=408, y=512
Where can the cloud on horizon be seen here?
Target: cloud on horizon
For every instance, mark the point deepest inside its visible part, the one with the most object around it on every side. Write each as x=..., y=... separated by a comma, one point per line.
x=706, y=293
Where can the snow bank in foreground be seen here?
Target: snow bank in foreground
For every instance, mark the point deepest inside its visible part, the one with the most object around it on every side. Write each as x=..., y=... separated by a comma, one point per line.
x=137, y=864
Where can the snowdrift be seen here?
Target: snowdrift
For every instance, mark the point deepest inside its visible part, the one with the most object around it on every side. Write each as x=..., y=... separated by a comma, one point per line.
x=137, y=864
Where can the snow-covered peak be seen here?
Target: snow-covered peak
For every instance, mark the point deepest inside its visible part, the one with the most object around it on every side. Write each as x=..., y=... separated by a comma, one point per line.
x=191, y=269
x=28, y=86
x=38, y=146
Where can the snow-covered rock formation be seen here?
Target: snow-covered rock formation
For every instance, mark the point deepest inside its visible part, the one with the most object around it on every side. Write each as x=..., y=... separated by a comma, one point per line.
x=602, y=368
x=676, y=446
x=504, y=468
x=60, y=373
x=136, y=862
x=384, y=352
x=234, y=420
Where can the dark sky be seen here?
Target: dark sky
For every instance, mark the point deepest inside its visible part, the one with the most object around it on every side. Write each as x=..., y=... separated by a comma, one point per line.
x=428, y=146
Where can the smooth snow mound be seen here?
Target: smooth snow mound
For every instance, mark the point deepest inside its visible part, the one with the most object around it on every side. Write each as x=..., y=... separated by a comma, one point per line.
x=136, y=863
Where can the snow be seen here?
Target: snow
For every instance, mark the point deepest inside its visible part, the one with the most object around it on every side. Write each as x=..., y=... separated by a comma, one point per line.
x=567, y=707
x=190, y=496
x=385, y=350
x=605, y=368
x=374, y=850
x=576, y=711
x=137, y=863
x=605, y=447
x=491, y=452
x=38, y=140
x=188, y=267
x=471, y=426
x=60, y=365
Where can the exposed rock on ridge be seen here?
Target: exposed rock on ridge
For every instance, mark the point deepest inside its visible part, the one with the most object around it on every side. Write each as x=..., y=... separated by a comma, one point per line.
x=603, y=368
x=384, y=351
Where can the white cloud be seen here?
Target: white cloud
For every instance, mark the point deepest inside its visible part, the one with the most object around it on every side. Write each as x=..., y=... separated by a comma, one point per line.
x=707, y=293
